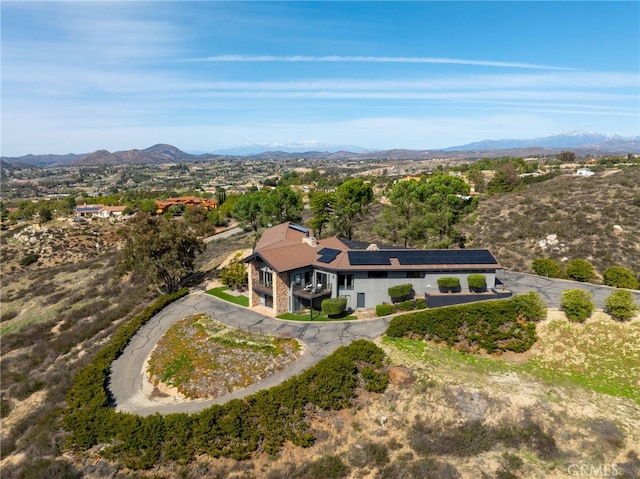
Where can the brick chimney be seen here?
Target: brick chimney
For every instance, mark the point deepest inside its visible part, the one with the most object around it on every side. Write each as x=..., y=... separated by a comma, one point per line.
x=310, y=240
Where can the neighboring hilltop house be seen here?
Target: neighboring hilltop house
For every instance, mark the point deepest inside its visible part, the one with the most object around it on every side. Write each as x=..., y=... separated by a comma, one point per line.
x=291, y=270
x=163, y=206
x=99, y=211
x=584, y=172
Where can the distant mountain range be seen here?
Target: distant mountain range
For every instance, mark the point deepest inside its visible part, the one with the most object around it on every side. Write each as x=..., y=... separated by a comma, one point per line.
x=581, y=142
x=565, y=139
x=298, y=147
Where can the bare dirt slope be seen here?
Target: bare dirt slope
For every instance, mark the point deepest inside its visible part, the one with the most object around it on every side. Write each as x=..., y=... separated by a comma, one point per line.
x=596, y=218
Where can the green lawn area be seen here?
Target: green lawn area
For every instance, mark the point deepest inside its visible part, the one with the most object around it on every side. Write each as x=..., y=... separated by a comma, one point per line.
x=220, y=293
x=317, y=316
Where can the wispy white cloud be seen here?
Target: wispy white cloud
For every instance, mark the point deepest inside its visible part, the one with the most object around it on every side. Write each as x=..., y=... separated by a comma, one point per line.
x=369, y=59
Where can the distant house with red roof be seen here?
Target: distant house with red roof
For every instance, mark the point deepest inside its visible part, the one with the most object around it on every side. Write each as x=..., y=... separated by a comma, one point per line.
x=99, y=211
x=163, y=205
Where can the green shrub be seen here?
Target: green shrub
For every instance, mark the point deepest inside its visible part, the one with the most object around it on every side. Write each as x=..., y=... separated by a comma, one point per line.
x=621, y=305
x=400, y=291
x=577, y=304
x=29, y=258
x=421, y=304
x=620, y=277
x=546, y=267
x=580, y=270
x=529, y=306
x=333, y=306
x=406, y=306
x=448, y=283
x=235, y=274
x=384, y=309
x=492, y=326
x=477, y=282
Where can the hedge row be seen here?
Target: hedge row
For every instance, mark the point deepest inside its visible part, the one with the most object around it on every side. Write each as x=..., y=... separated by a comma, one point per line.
x=261, y=422
x=88, y=416
x=409, y=305
x=492, y=326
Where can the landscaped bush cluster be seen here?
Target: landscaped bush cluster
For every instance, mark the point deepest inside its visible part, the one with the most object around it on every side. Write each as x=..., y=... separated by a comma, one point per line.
x=384, y=309
x=449, y=284
x=547, y=267
x=621, y=305
x=581, y=270
x=493, y=326
x=263, y=421
x=409, y=305
x=577, y=304
x=477, y=282
x=400, y=291
x=333, y=306
x=529, y=306
x=620, y=277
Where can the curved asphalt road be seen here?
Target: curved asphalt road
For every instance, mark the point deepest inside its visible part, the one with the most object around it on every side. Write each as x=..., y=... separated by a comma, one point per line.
x=551, y=289
x=320, y=339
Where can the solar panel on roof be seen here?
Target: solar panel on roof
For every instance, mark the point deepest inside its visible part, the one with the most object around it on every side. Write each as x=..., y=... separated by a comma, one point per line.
x=329, y=251
x=369, y=258
x=296, y=227
x=326, y=259
x=418, y=257
x=328, y=255
x=445, y=257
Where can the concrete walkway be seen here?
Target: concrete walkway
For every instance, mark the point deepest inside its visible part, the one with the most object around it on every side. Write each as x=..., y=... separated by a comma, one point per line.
x=132, y=393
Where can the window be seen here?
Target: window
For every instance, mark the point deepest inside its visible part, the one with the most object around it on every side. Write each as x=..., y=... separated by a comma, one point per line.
x=322, y=279
x=345, y=281
x=413, y=274
x=377, y=274
x=297, y=279
x=266, y=278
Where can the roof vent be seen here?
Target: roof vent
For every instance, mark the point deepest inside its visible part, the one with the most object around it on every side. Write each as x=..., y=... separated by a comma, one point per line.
x=373, y=247
x=296, y=227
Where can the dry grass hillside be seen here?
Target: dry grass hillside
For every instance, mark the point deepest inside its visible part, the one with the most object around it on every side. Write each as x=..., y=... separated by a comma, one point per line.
x=449, y=415
x=55, y=313
x=596, y=218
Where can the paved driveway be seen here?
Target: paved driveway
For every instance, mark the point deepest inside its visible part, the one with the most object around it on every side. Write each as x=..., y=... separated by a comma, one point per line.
x=551, y=289
x=133, y=394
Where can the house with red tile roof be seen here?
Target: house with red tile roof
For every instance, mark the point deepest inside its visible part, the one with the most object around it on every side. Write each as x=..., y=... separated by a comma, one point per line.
x=163, y=206
x=290, y=270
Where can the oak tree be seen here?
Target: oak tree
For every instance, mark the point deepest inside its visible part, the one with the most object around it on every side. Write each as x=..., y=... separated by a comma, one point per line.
x=160, y=250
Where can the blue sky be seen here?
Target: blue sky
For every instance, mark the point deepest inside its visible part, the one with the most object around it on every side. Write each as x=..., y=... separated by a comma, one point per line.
x=82, y=76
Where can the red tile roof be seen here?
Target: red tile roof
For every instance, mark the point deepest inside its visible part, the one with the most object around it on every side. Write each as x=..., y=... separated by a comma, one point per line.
x=283, y=247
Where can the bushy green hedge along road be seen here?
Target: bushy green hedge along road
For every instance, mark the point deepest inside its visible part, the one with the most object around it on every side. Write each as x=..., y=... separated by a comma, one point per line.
x=493, y=325
x=262, y=421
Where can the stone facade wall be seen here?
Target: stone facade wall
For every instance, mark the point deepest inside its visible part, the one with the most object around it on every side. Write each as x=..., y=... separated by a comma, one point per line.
x=254, y=298
x=281, y=293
